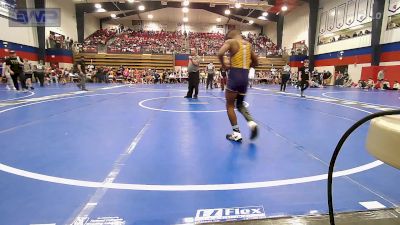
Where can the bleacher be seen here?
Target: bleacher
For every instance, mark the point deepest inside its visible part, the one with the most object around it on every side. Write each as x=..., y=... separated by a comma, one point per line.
x=139, y=61
x=161, y=62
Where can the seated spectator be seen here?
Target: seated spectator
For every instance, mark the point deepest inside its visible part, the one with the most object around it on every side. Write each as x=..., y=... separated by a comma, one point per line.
x=315, y=84
x=172, y=77
x=348, y=83
x=386, y=85
x=54, y=76
x=362, y=84
x=370, y=83
x=396, y=86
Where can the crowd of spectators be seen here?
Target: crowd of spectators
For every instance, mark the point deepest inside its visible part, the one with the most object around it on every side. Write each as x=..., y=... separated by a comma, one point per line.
x=299, y=51
x=393, y=25
x=59, y=41
x=129, y=75
x=209, y=43
x=370, y=84
x=122, y=74
x=343, y=37
x=125, y=40
x=157, y=42
x=263, y=45
x=206, y=43
x=100, y=37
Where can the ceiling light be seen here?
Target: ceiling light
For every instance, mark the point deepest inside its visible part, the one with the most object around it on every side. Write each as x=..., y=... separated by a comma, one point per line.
x=218, y=19
x=185, y=9
x=131, y=1
x=141, y=7
x=97, y=5
x=150, y=16
x=238, y=5
x=186, y=3
x=227, y=12
x=251, y=22
x=264, y=14
x=284, y=8
x=262, y=18
x=113, y=15
x=101, y=10
x=185, y=19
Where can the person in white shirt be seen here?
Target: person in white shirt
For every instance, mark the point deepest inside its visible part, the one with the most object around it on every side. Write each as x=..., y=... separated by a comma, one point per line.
x=39, y=73
x=54, y=77
x=381, y=75
x=273, y=70
x=370, y=83
x=210, y=75
x=252, y=74
x=172, y=77
x=28, y=72
x=6, y=73
x=396, y=86
x=91, y=68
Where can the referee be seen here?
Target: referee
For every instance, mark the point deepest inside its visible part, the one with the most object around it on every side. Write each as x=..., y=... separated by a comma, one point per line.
x=194, y=75
x=304, y=75
x=80, y=69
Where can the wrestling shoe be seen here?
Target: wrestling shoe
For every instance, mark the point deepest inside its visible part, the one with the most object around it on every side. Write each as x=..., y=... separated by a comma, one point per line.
x=235, y=136
x=253, y=129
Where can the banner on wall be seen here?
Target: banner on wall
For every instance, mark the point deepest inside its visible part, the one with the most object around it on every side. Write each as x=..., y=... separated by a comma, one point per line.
x=362, y=10
x=340, y=15
x=331, y=19
x=351, y=12
x=7, y=7
x=394, y=6
x=322, y=22
x=371, y=8
x=181, y=60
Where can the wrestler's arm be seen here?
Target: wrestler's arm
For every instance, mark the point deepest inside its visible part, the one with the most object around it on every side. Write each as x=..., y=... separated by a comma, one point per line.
x=254, y=59
x=226, y=47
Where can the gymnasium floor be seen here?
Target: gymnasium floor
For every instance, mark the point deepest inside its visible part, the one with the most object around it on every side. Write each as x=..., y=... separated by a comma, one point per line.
x=144, y=155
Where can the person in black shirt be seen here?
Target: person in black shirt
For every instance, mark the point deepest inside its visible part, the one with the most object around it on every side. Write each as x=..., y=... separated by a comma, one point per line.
x=304, y=75
x=223, y=78
x=39, y=72
x=80, y=69
x=15, y=64
x=285, y=77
